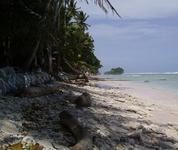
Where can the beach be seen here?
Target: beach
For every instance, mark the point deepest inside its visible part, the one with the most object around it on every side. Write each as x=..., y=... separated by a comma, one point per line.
x=165, y=103
x=122, y=116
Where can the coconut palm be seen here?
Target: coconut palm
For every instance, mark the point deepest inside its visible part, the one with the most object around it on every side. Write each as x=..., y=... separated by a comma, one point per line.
x=103, y=7
x=23, y=23
x=34, y=30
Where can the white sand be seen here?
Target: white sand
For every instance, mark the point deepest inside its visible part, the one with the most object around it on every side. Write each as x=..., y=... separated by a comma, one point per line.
x=128, y=116
x=164, y=103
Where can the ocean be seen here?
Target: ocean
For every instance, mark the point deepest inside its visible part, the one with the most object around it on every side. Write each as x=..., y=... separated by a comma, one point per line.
x=165, y=81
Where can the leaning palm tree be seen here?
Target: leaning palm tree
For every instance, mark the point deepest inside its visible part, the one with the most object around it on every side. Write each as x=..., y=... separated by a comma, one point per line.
x=100, y=3
x=39, y=26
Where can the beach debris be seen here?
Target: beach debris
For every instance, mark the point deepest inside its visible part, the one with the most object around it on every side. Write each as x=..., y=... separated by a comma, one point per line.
x=21, y=146
x=12, y=81
x=35, y=91
x=136, y=134
x=109, y=122
x=136, y=109
x=82, y=135
x=174, y=125
x=83, y=100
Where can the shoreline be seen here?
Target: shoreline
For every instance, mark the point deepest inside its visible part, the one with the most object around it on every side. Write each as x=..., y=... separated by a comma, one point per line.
x=117, y=119
x=162, y=100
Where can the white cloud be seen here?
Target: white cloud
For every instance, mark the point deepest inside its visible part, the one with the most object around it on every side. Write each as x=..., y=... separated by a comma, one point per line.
x=147, y=34
x=135, y=9
x=134, y=31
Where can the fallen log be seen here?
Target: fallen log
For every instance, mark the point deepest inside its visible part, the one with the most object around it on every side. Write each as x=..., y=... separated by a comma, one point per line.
x=81, y=134
x=35, y=91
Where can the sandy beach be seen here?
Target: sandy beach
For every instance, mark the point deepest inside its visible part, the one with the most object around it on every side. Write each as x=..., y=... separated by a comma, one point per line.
x=122, y=116
x=164, y=103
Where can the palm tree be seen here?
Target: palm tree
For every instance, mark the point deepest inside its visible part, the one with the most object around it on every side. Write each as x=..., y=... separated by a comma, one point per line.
x=23, y=23
x=103, y=7
x=32, y=30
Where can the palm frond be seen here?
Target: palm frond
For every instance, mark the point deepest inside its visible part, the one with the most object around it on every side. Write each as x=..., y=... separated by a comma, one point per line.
x=102, y=6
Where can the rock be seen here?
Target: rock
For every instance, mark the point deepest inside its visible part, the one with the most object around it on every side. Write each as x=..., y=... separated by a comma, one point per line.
x=8, y=127
x=136, y=109
x=122, y=100
x=102, y=132
x=131, y=141
x=174, y=125
x=133, y=125
x=152, y=128
x=46, y=144
x=150, y=109
x=165, y=144
x=117, y=129
x=136, y=134
x=60, y=147
x=4, y=136
x=28, y=139
x=175, y=145
x=83, y=100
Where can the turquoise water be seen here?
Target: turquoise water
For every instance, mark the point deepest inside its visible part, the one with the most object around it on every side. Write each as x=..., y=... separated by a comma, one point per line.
x=167, y=81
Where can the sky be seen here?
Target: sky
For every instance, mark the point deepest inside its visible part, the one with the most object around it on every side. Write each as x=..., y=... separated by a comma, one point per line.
x=144, y=40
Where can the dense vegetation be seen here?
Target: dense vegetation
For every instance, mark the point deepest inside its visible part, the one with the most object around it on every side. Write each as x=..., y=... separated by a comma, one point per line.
x=50, y=34
x=115, y=71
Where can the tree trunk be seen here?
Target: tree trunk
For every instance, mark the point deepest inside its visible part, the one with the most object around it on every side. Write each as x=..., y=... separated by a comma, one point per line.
x=72, y=68
x=49, y=50
x=32, y=56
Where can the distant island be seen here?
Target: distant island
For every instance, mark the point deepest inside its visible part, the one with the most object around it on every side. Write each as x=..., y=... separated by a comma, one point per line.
x=115, y=71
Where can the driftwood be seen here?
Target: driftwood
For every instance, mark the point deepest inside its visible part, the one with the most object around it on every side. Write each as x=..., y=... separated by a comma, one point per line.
x=62, y=76
x=81, y=76
x=81, y=134
x=71, y=67
x=77, y=74
x=83, y=100
x=38, y=91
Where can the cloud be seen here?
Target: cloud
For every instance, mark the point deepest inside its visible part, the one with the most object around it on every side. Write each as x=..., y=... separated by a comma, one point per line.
x=133, y=30
x=136, y=44
x=134, y=9
x=145, y=39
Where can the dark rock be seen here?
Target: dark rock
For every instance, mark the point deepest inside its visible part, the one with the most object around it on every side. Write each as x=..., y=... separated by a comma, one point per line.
x=83, y=100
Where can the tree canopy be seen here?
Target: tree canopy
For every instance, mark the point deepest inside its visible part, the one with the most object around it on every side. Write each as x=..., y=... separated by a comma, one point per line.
x=50, y=34
x=115, y=71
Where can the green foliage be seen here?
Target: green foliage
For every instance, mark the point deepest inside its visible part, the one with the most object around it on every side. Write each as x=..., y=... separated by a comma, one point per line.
x=115, y=71
x=55, y=28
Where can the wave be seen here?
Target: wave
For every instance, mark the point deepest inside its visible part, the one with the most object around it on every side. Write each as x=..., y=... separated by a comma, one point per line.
x=145, y=73
x=133, y=75
x=171, y=73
